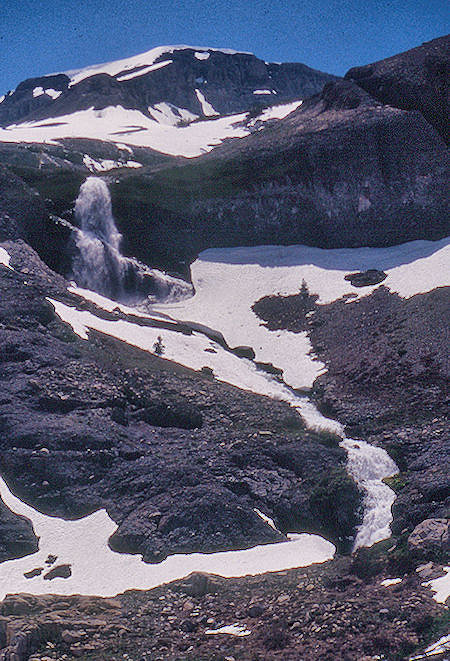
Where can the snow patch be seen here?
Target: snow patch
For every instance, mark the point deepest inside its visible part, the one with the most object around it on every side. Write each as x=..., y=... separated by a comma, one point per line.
x=439, y=647
x=231, y=629
x=390, y=581
x=440, y=586
x=107, y=164
x=167, y=113
x=38, y=91
x=53, y=93
x=266, y=518
x=96, y=570
x=5, y=258
x=207, y=108
x=278, y=112
x=202, y=56
x=144, y=71
x=263, y=92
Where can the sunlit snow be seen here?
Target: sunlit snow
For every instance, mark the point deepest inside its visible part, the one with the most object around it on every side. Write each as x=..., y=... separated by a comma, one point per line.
x=117, y=124
x=144, y=71
x=439, y=647
x=96, y=570
x=167, y=113
x=5, y=258
x=230, y=629
x=440, y=586
x=207, y=108
x=390, y=581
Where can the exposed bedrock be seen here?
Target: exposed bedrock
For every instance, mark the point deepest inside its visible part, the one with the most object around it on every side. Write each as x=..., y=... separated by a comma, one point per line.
x=17, y=537
x=179, y=460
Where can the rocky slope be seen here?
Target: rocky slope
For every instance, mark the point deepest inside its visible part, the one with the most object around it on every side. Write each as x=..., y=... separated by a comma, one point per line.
x=308, y=613
x=387, y=381
x=187, y=81
x=342, y=170
x=190, y=457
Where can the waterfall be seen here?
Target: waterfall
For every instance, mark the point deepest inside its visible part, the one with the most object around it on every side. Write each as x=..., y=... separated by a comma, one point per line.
x=98, y=263
x=368, y=465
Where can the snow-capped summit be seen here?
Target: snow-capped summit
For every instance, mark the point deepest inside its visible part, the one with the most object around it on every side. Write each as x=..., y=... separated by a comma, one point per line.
x=198, y=81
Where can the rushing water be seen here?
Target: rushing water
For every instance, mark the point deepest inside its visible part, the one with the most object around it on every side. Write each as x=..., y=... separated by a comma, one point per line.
x=368, y=465
x=99, y=265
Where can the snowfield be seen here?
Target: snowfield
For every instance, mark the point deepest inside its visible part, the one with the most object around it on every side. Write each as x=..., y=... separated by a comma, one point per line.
x=96, y=570
x=229, y=281
x=160, y=132
x=117, y=124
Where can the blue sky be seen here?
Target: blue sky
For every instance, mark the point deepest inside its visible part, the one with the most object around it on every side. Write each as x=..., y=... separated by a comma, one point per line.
x=43, y=36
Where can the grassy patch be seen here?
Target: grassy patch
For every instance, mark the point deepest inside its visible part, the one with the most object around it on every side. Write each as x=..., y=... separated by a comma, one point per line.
x=396, y=482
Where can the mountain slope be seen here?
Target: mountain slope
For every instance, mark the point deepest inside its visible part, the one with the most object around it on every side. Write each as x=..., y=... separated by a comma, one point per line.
x=342, y=170
x=179, y=82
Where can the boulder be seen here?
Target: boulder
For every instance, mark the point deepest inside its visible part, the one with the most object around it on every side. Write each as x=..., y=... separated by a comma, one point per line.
x=198, y=584
x=366, y=278
x=244, y=352
x=431, y=535
x=60, y=571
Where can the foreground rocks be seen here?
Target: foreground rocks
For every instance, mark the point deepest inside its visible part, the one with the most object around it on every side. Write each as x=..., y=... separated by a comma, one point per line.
x=311, y=613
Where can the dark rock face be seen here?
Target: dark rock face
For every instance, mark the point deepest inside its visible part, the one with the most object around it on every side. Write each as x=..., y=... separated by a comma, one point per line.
x=431, y=535
x=22, y=212
x=86, y=425
x=17, y=537
x=228, y=81
x=414, y=80
x=23, y=215
x=341, y=171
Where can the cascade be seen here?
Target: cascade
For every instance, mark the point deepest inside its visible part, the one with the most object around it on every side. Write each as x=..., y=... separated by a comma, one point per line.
x=98, y=263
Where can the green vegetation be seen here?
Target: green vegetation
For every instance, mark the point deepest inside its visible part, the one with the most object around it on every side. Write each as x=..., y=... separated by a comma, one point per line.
x=396, y=482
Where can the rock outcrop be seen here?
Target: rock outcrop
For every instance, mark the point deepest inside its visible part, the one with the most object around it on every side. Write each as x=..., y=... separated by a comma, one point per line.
x=17, y=537
x=414, y=80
